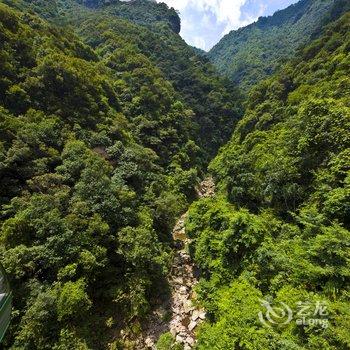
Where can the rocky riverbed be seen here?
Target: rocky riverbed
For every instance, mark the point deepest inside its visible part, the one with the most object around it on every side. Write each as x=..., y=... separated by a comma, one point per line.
x=184, y=316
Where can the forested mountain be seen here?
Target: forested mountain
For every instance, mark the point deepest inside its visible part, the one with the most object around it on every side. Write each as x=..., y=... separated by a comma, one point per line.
x=104, y=121
x=151, y=30
x=214, y=100
x=108, y=120
x=139, y=11
x=278, y=229
x=253, y=53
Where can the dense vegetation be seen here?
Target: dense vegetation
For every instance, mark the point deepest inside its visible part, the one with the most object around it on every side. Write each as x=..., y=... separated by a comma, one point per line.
x=253, y=53
x=279, y=227
x=213, y=100
x=107, y=121
x=141, y=12
x=99, y=154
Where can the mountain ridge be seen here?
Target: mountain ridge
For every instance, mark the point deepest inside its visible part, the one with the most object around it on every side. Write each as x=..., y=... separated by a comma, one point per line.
x=252, y=53
x=108, y=120
x=278, y=231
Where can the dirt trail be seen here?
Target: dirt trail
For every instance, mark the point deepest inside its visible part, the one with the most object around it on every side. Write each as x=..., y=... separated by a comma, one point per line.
x=185, y=316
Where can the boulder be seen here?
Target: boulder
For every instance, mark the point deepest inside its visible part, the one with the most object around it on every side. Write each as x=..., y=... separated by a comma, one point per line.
x=149, y=342
x=183, y=290
x=190, y=341
x=192, y=326
x=202, y=315
x=195, y=315
x=180, y=339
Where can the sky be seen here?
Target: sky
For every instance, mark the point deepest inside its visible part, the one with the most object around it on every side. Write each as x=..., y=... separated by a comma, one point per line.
x=205, y=22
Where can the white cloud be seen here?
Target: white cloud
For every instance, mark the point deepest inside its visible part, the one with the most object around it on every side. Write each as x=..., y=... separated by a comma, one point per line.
x=205, y=22
x=199, y=42
x=227, y=12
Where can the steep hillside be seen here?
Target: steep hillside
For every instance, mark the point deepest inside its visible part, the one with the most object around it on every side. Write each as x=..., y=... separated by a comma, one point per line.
x=253, y=53
x=150, y=30
x=144, y=12
x=108, y=119
x=99, y=154
x=138, y=11
x=279, y=228
x=214, y=100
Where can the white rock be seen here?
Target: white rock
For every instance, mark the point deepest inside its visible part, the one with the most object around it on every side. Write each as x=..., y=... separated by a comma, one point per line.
x=179, y=280
x=192, y=326
x=190, y=341
x=173, y=332
x=195, y=315
x=188, y=307
x=149, y=342
x=180, y=339
x=183, y=290
x=202, y=315
x=180, y=329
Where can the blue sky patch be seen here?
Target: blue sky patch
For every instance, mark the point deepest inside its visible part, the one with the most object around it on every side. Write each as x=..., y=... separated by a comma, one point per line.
x=205, y=22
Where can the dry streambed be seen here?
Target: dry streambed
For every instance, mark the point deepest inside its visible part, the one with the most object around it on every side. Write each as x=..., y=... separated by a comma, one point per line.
x=185, y=316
